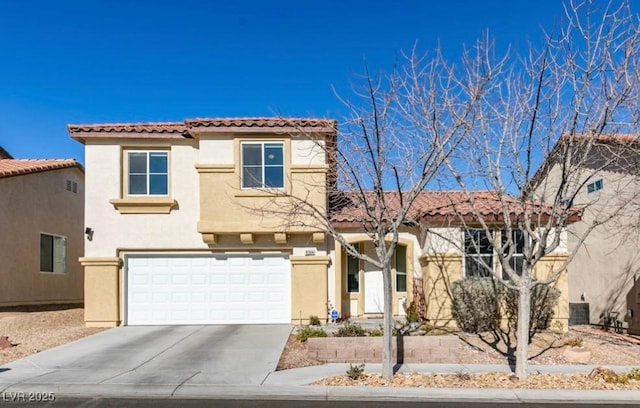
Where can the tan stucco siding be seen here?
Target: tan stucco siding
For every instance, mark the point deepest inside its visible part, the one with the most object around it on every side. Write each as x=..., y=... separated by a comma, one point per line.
x=34, y=204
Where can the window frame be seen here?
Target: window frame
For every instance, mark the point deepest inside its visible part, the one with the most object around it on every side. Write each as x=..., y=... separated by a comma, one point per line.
x=595, y=186
x=519, y=241
x=400, y=271
x=490, y=255
x=148, y=173
x=53, y=262
x=347, y=274
x=263, y=165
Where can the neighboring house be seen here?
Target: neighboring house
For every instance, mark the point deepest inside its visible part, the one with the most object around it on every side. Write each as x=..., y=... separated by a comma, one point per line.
x=42, y=220
x=607, y=184
x=179, y=235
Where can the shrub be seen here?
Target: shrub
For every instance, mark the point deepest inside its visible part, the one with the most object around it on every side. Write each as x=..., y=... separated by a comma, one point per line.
x=574, y=341
x=476, y=304
x=379, y=332
x=308, y=332
x=413, y=315
x=355, y=372
x=544, y=299
x=314, y=320
x=350, y=330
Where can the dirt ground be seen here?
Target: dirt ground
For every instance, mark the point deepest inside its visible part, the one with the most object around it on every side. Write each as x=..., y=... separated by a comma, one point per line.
x=37, y=328
x=548, y=348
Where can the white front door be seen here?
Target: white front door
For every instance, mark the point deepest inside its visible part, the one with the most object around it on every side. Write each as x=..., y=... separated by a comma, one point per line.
x=373, y=292
x=208, y=289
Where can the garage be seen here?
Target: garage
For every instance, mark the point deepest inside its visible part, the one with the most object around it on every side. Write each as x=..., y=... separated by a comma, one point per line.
x=207, y=289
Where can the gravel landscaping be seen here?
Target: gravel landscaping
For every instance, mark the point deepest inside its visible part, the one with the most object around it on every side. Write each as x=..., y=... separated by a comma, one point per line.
x=37, y=328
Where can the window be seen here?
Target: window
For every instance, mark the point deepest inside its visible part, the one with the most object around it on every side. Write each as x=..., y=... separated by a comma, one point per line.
x=148, y=173
x=517, y=238
x=262, y=165
x=53, y=253
x=353, y=274
x=595, y=186
x=401, y=268
x=478, y=254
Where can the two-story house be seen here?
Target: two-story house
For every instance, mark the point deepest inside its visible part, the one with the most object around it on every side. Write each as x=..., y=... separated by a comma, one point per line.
x=601, y=175
x=41, y=220
x=182, y=234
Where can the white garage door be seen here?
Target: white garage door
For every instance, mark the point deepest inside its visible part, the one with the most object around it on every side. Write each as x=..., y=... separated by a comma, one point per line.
x=208, y=289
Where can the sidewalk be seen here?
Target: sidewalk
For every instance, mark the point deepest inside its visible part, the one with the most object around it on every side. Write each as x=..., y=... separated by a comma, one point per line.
x=292, y=385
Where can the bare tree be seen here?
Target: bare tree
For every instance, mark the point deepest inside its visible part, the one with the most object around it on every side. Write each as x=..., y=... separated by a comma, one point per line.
x=542, y=135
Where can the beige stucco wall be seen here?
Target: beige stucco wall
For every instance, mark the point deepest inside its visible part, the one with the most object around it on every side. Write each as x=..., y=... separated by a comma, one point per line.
x=603, y=269
x=308, y=288
x=33, y=204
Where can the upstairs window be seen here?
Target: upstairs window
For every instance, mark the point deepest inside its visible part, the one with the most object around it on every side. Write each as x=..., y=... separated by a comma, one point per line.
x=595, y=186
x=148, y=173
x=262, y=165
x=53, y=253
x=478, y=254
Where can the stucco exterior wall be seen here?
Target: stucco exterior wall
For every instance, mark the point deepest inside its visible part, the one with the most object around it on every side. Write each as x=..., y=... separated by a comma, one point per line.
x=113, y=230
x=33, y=204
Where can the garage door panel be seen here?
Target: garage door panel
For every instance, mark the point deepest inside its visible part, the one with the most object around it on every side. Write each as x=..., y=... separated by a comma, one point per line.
x=208, y=289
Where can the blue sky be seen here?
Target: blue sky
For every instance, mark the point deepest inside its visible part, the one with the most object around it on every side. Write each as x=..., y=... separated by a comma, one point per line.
x=148, y=61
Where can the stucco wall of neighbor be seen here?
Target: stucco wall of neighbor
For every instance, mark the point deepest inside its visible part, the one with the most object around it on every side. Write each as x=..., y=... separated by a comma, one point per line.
x=603, y=269
x=439, y=271
x=344, y=301
x=113, y=230
x=33, y=204
x=308, y=288
x=543, y=269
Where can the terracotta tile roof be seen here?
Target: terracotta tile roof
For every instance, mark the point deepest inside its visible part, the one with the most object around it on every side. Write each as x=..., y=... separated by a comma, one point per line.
x=17, y=167
x=181, y=129
x=435, y=206
x=262, y=122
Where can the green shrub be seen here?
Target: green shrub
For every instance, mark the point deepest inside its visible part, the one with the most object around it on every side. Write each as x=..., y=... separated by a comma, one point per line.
x=633, y=374
x=379, y=332
x=476, y=304
x=314, y=320
x=355, y=372
x=413, y=315
x=350, y=330
x=544, y=299
x=307, y=332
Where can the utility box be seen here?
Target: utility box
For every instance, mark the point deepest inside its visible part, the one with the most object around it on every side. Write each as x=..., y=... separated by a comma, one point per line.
x=578, y=313
x=632, y=317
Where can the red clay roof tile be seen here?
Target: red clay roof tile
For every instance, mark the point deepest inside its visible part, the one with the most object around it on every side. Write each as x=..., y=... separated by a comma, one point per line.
x=17, y=167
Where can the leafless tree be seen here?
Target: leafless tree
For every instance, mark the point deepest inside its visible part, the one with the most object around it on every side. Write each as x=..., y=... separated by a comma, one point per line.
x=502, y=123
x=542, y=134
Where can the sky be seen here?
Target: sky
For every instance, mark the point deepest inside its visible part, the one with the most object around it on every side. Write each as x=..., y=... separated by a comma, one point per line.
x=81, y=62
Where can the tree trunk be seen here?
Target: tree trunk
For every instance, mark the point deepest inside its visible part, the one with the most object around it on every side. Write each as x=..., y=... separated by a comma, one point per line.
x=387, y=340
x=524, y=317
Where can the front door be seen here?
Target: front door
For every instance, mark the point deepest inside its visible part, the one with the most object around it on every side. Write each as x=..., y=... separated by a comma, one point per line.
x=373, y=292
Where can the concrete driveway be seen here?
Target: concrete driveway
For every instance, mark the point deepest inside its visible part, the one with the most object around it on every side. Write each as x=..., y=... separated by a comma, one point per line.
x=164, y=356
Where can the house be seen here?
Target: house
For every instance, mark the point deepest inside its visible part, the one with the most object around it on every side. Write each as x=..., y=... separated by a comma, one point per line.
x=432, y=253
x=42, y=236
x=180, y=235
x=603, y=178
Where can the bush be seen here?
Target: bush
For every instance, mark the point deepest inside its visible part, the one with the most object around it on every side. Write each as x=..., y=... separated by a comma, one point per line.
x=413, y=315
x=306, y=332
x=355, y=372
x=379, y=332
x=476, y=304
x=350, y=330
x=314, y=320
x=544, y=299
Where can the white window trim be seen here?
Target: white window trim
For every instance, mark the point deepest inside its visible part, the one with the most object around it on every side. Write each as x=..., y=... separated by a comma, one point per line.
x=128, y=174
x=263, y=165
x=66, y=248
x=464, y=254
x=593, y=186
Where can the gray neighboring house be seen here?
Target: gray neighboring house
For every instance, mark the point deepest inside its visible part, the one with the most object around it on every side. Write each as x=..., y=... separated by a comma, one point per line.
x=604, y=275
x=42, y=222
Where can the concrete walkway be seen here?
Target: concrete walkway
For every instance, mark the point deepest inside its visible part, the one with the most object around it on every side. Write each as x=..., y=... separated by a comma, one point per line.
x=238, y=362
